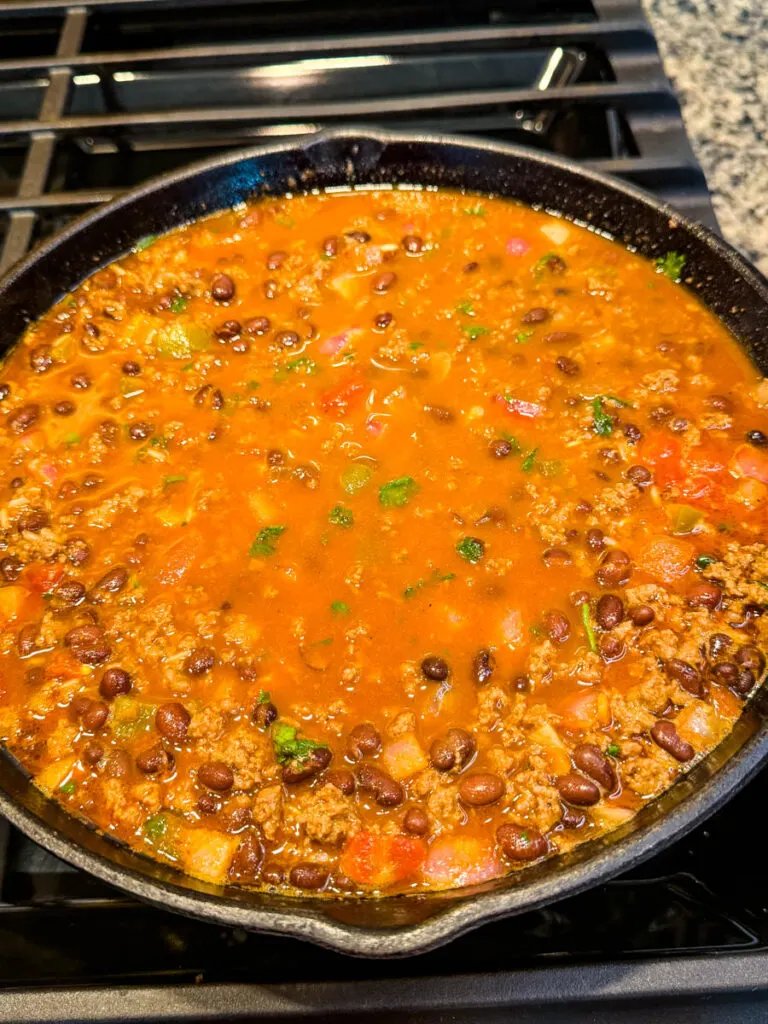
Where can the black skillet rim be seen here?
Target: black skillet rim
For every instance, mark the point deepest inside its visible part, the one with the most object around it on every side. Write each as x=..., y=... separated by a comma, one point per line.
x=305, y=918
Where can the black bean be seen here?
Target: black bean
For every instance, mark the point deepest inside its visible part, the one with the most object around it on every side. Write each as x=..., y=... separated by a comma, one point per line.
x=538, y=315
x=257, y=325
x=287, y=339
x=413, y=244
x=726, y=672
x=10, y=568
x=264, y=714
x=640, y=476
x=454, y=750
x=240, y=346
x=481, y=789
x=140, y=431
x=718, y=644
x=382, y=320
x=632, y=433
x=92, y=753
x=757, y=438
x=112, y=582
x=435, y=668
x=309, y=876
x=222, y=287
x=216, y=775
x=207, y=803
x=666, y=736
x=276, y=259
x=298, y=770
x=615, y=568
x=246, y=863
x=521, y=683
x=272, y=874
x=41, y=358
x=685, y=675
x=95, y=716
x=383, y=282
x=642, y=615
x=386, y=792
x=595, y=540
x=172, y=721
x=500, y=448
x=33, y=520
x=483, y=666
x=153, y=760
x=752, y=658
x=88, y=644
x=200, y=661
x=554, y=264
x=114, y=682
x=80, y=381
x=69, y=593
x=471, y=268
x=744, y=683
x=228, y=330
x=609, y=611
x=577, y=789
x=64, y=408
x=131, y=368
x=568, y=366
x=343, y=780
x=5, y=390
x=24, y=418
x=78, y=550
x=589, y=759
x=611, y=647
x=363, y=739
x=555, y=557
x=521, y=844
x=557, y=625
x=416, y=821
x=704, y=595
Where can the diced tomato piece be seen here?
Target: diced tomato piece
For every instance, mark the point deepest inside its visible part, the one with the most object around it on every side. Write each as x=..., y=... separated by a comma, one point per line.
x=375, y=424
x=517, y=246
x=338, y=401
x=378, y=861
x=337, y=342
x=667, y=558
x=664, y=455
x=519, y=407
x=42, y=578
x=12, y=600
x=461, y=860
x=178, y=559
x=590, y=709
x=751, y=462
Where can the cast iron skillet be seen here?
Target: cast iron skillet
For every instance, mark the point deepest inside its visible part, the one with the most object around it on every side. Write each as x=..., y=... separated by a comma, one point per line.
x=733, y=290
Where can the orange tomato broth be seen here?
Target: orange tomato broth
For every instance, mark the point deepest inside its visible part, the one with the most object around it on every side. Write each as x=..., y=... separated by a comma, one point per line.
x=312, y=530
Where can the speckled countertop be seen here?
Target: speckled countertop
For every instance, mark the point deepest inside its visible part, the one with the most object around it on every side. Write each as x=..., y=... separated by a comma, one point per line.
x=716, y=54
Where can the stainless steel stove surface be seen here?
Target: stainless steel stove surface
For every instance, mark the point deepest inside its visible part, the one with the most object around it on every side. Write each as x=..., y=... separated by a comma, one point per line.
x=97, y=98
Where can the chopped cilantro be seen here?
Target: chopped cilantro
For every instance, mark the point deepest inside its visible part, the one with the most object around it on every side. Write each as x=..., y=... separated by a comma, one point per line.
x=516, y=446
x=144, y=243
x=522, y=337
x=179, y=303
x=159, y=442
x=471, y=549
x=474, y=331
x=415, y=345
x=525, y=837
x=671, y=265
x=348, y=357
x=340, y=516
x=156, y=827
x=704, y=561
x=264, y=545
x=613, y=750
x=263, y=697
x=475, y=211
x=356, y=477
x=302, y=365
x=339, y=608
x=253, y=385
x=68, y=787
x=541, y=264
x=529, y=461
x=586, y=620
x=762, y=583
x=70, y=439
x=174, y=478
x=288, y=747
x=187, y=367
x=602, y=423
x=536, y=630
x=322, y=643
x=284, y=221
x=437, y=577
x=398, y=493
x=465, y=307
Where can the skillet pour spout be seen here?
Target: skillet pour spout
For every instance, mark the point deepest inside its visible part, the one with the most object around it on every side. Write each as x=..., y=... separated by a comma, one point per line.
x=731, y=289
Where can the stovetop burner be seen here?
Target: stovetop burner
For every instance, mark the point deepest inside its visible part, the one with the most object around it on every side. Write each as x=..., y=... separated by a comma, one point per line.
x=98, y=97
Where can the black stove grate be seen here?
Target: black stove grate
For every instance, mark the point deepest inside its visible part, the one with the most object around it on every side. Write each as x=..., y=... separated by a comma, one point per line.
x=98, y=97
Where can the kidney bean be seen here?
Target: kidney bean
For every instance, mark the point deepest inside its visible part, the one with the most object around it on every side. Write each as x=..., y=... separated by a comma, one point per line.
x=309, y=876
x=557, y=626
x=454, y=750
x=257, y=325
x=500, y=448
x=287, y=339
x=435, y=668
x=718, y=644
x=92, y=753
x=343, y=780
x=561, y=338
x=64, y=408
x=382, y=320
x=276, y=259
x=115, y=682
x=386, y=792
x=567, y=366
x=207, y=803
x=33, y=520
x=222, y=288
x=595, y=540
x=140, y=431
x=172, y=721
x=363, y=739
x=744, y=683
x=152, y=760
x=216, y=775
x=200, y=661
x=247, y=861
x=483, y=666
x=10, y=568
x=554, y=557
x=112, y=582
x=41, y=358
x=118, y=764
x=413, y=244
x=480, y=789
x=589, y=759
x=95, y=715
x=577, y=789
x=298, y=770
x=611, y=647
x=24, y=418
x=416, y=821
x=131, y=368
x=726, y=672
x=666, y=736
x=642, y=615
x=384, y=282
x=538, y=315
x=685, y=675
x=572, y=818
x=756, y=438
x=78, y=550
x=69, y=594
x=615, y=568
x=272, y=874
x=609, y=611
x=80, y=381
x=521, y=844
x=752, y=658
x=640, y=476
x=704, y=595
x=264, y=714
x=88, y=644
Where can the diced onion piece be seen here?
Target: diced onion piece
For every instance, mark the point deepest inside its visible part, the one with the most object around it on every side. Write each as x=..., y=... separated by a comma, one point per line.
x=207, y=853
x=55, y=774
x=440, y=364
x=751, y=462
x=700, y=725
x=610, y=816
x=555, y=232
x=512, y=629
x=11, y=600
x=554, y=749
x=404, y=756
x=461, y=860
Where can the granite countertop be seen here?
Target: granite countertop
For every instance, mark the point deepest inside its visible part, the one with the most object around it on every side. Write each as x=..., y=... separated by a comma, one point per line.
x=716, y=54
